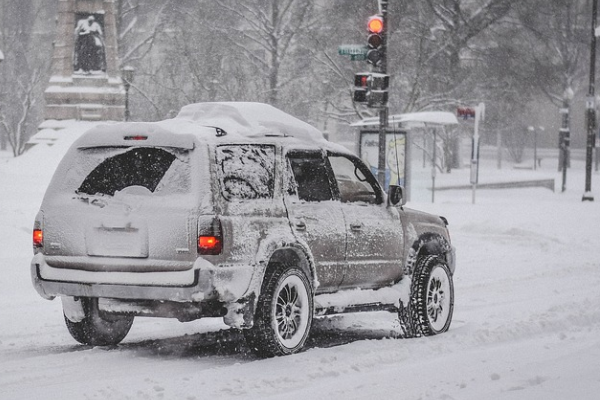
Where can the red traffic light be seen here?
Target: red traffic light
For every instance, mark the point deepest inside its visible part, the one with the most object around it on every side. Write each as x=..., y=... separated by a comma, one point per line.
x=362, y=80
x=375, y=24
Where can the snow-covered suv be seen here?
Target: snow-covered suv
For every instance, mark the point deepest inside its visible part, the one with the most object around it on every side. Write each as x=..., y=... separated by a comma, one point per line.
x=233, y=210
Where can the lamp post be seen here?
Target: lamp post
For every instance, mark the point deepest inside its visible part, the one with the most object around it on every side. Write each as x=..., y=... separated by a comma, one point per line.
x=532, y=130
x=564, y=138
x=127, y=74
x=591, y=111
x=2, y=137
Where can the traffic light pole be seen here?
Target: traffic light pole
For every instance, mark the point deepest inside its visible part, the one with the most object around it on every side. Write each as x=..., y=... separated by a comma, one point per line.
x=383, y=112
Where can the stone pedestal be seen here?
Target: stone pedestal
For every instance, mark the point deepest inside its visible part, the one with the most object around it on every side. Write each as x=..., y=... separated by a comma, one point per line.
x=95, y=94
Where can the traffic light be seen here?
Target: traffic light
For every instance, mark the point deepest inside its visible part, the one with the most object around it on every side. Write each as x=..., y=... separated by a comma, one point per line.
x=564, y=138
x=371, y=88
x=362, y=82
x=375, y=40
x=378, y=93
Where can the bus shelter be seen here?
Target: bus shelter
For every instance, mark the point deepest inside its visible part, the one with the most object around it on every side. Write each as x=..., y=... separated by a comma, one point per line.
x=398, y=136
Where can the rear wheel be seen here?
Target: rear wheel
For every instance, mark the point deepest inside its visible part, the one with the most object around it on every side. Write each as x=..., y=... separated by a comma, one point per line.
x=284, y=313
x=98, y=328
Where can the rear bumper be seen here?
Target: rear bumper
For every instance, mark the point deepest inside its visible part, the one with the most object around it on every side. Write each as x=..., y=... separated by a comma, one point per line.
x=203, y=282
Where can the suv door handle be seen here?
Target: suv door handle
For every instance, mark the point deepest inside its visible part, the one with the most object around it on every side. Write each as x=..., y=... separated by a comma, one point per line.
x=300, y=225
x=356, y=226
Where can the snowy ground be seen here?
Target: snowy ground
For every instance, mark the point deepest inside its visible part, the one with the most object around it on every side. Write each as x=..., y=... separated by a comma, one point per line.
x=526, y=323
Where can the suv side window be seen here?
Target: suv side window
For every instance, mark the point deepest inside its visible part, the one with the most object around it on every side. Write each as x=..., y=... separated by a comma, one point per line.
x=355, y=183
x=311, y=177
x=246, y=171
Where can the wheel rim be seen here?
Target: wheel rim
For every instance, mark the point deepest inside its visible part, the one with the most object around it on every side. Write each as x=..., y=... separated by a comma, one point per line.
x=439, y=299
x=291, y=311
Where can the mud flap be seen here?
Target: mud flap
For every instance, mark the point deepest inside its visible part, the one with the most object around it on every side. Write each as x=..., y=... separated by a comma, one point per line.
x=240, y=314
x=406, y=314
x=72, y=308
x=406, y=320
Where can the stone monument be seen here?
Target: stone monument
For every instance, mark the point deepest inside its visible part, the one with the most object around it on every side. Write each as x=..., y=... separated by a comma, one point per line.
x=85, y=83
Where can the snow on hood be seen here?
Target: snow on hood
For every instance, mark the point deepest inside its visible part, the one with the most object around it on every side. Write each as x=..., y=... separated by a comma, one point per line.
x=249, y=120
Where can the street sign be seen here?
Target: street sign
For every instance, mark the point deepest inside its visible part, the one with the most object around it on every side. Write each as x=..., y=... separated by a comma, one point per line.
x=465, y=113
x=358, y=57
x=353, y=50
x=590, y=102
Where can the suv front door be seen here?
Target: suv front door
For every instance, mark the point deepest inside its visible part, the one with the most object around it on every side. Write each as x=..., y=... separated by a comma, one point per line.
x=374, y=231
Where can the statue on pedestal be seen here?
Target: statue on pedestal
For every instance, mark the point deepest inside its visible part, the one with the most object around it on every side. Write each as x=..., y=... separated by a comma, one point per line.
x=85, y=82
x=89, y=55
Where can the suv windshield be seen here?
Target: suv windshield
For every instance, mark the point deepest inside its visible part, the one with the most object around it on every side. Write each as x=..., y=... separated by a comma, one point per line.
x=142, y=166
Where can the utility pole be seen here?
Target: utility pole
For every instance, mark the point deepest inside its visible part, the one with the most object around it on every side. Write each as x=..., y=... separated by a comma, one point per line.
x=372, y=88
x=384, y=111
x=591, y=111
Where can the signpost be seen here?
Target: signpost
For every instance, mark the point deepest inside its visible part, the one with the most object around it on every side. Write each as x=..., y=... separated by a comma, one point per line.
x=477, y=113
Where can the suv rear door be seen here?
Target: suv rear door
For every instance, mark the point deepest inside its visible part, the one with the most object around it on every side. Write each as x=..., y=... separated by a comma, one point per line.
x=122, y=203
x=315, y=215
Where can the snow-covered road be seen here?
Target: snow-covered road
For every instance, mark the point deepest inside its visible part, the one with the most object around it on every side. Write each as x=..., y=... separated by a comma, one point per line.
x=526, y=322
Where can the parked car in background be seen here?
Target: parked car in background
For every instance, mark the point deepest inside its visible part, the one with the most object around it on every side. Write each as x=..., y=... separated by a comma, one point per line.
x=239, y=211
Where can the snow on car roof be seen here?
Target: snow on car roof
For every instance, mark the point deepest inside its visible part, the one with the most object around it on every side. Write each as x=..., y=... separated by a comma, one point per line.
x=218, y=122
x=249, y=120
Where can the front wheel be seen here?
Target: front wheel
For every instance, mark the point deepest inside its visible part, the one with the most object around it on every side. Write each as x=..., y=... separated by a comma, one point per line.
x=431, y=301
x=284, y=313
x=98, y=328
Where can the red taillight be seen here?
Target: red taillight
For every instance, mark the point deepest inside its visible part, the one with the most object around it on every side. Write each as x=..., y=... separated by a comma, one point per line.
x=209, y=245
x=38, y=238
x=210, y=237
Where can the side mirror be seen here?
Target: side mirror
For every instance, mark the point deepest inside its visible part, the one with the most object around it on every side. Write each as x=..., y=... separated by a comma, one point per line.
x=396, y=196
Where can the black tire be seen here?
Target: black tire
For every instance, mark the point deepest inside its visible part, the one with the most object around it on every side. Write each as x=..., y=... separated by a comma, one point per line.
x=284, y=313
x=97, y=328
x=431, y=302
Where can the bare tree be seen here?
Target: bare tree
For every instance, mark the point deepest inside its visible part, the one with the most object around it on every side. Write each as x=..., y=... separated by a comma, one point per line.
x=557, y=49
x=557, y=46
x=25, y=38
x=268, y=33
x=19, y=126
x=443, y=50
x=460, y=22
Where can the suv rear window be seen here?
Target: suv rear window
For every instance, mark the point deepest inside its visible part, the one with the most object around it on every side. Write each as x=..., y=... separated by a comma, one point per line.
x=246, y=172
x=141, y=166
